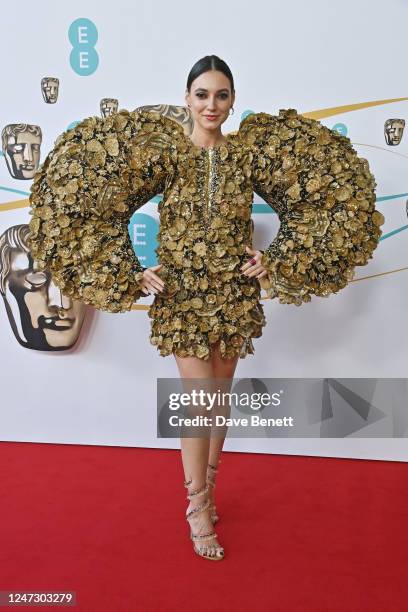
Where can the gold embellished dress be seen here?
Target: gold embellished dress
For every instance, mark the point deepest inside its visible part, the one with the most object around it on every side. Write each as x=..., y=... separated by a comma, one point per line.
x=99, y=173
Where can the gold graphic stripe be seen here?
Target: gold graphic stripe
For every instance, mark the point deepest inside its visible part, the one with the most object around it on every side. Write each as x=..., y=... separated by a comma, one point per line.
x=348, y=108
x=355, y=280
x=362, y=144
x=14, y=205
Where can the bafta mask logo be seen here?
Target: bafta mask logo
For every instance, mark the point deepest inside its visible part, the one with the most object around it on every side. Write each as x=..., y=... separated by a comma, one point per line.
x=109, y=106
x=393, y=130
x=49, y=89
x=41, y=317
x=21, y=144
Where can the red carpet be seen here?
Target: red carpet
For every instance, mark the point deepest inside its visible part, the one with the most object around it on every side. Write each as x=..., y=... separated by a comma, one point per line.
x=300, y=534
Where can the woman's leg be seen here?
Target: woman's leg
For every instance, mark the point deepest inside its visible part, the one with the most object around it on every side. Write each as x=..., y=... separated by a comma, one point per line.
x=222, y=368
x=195, y=453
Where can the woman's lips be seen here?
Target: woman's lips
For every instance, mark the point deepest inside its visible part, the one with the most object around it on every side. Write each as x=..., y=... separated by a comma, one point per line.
x=211, y=117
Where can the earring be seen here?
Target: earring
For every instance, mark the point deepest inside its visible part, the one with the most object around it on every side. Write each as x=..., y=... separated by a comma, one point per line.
x=232, y=109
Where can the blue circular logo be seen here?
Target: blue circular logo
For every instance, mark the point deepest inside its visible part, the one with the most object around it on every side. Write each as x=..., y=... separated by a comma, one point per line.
x=72, y=125
x=143, y=230
x=341, y=128
x=82, y=32
x=246, y=113
x=83, y=36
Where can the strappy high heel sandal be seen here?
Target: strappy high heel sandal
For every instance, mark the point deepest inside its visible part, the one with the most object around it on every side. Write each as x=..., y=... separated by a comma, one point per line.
x=214, y=553
x=211, y=471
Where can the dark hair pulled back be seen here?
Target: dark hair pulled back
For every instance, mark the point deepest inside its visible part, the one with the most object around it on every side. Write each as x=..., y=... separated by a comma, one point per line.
x=209, y=62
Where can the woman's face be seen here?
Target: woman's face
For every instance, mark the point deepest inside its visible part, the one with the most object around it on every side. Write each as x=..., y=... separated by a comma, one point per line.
x=210, y=95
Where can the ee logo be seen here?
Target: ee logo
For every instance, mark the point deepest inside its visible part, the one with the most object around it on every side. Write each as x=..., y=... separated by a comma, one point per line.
x=341, y=128
x=83, y=37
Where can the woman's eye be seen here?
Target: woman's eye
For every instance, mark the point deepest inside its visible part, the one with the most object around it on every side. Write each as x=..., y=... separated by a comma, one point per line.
x=223, y=95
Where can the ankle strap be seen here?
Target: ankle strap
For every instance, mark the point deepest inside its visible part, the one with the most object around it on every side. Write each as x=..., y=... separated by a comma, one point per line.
x=210, y=477
x=214, y=467
x=204, y=536
x=204, y=506
x=198, y=492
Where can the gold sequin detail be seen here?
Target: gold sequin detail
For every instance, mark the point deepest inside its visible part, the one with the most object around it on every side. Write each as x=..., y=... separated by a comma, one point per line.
x=103, y=170
x=211, y=180
x=324, y=194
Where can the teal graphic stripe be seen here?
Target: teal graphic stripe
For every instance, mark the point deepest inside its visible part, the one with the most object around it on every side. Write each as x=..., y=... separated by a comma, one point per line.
x=396, y=231
x=391, y=197
x=26, y=193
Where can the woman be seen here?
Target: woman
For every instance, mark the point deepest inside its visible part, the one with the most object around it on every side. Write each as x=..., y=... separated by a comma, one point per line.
x=206, y=308
x=210, y=97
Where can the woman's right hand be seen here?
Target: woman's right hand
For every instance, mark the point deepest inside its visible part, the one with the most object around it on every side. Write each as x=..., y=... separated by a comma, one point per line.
x=151, y=282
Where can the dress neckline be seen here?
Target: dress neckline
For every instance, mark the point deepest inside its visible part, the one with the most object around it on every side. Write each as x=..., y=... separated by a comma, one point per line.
x=218, y=146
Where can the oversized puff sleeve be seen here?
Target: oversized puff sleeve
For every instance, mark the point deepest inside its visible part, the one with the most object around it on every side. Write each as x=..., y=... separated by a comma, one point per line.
x=324, y=195
x=83, y=195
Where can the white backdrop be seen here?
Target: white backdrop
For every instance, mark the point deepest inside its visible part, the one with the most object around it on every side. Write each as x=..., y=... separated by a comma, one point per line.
x=310, y=56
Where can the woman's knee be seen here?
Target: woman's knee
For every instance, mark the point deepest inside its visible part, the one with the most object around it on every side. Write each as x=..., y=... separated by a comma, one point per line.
x=222, y=368
x=193, y=367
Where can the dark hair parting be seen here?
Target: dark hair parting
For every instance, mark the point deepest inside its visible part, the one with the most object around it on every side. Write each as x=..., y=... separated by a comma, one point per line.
x=209, y=62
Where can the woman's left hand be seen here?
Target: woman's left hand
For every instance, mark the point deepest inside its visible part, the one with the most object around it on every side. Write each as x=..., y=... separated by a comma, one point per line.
x=255, y=268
